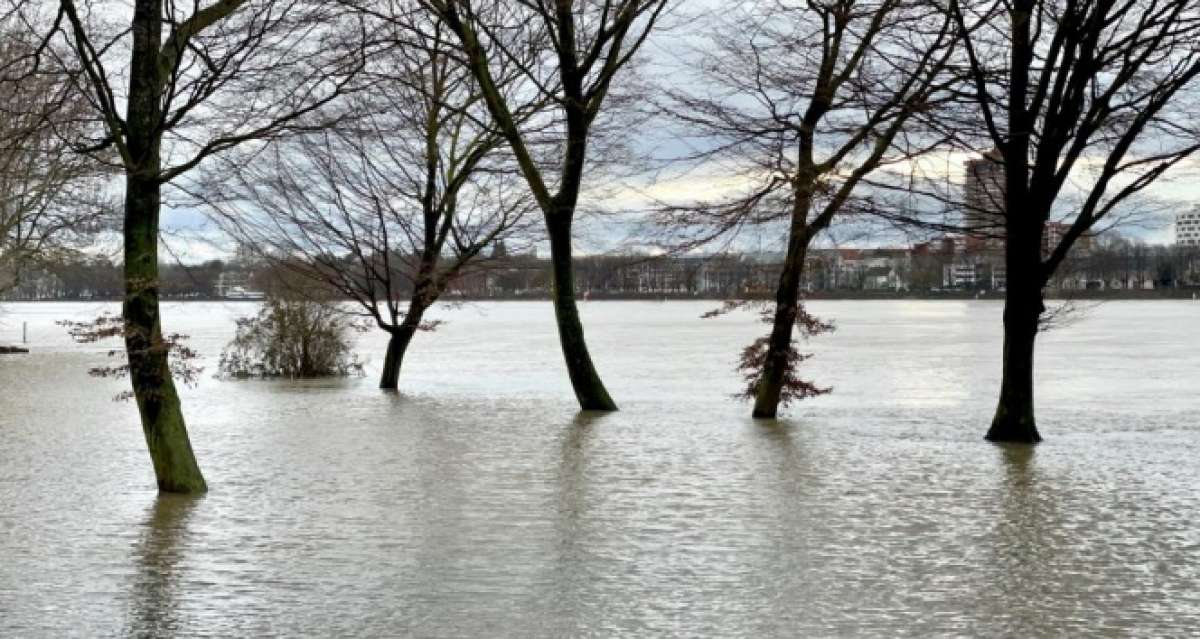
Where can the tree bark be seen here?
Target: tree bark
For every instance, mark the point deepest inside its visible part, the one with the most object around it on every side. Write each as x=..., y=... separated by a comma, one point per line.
x=589, y=390
x=1024, y=217
x=1014, y=419
x=166, y=434
x=787, y=297
x=398, y=343
x=149, y=371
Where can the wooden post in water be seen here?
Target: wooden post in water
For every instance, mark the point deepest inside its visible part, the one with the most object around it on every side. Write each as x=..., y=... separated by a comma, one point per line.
x=24, y=332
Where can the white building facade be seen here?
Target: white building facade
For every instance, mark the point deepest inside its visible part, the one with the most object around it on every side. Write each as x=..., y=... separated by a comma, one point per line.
x=1187, y=228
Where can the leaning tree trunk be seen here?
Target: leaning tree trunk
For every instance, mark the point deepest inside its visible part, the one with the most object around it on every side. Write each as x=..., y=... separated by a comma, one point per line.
x=150, y=374
x=787, y=298
x=589, y=390
x=398, y=343
x=1014, y=420
x=158, y=403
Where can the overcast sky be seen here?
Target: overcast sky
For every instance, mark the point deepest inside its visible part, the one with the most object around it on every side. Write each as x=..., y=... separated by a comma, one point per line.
x=667, y=58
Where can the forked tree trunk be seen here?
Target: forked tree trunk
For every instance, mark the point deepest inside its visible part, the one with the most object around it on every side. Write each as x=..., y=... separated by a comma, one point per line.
x=1014, y=419
x=589, y=390
x=398, y=343
x=149, y=371
x=158, y=403
x=787, y=298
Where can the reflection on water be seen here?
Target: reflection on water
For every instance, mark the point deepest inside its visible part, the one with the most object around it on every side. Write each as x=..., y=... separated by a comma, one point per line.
x=158, y=553
x=1021, y=546
x=479, y=502
x=574, y=523
x=572, y=474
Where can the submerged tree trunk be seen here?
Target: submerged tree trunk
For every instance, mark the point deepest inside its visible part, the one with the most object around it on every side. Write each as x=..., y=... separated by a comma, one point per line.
x=1024, y=216
x=149, y=371
x=787, y=298
x=398, y=343
x=1014, y=420
x=589, y=390
x=158, y=403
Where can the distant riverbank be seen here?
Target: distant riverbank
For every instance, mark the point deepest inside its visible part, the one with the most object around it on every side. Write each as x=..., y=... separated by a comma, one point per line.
x=1055, y=294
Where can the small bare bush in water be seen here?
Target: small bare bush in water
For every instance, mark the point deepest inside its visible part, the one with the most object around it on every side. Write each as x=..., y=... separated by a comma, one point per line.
x=294, y=338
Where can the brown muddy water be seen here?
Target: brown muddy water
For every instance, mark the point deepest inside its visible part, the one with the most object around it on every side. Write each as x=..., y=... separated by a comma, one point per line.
x=479, y=503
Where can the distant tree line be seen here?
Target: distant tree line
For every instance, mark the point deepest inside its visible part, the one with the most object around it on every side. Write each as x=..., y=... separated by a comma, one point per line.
x=1122, y=263
x=81, y=277
x=1114, y=264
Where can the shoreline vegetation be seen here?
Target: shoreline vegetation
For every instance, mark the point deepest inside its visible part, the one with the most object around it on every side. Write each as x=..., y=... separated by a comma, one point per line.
x=1180, y=293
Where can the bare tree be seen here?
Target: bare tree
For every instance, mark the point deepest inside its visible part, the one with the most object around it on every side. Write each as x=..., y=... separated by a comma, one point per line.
x=390, y=207
x=802, y=101
x=50, y=198
x=1089, y=102
x=174, y=83
x=569, y=53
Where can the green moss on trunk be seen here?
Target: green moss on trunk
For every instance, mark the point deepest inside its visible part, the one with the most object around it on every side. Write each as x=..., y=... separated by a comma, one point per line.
x=149, y=371
x=158, y=403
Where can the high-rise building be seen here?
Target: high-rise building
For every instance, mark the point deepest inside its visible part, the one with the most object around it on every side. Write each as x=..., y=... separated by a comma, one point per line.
x=984, y=195
x=1053, y=234
x=1187, y=228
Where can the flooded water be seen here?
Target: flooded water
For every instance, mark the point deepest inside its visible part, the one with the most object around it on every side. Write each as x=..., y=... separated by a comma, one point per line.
x=479, y=503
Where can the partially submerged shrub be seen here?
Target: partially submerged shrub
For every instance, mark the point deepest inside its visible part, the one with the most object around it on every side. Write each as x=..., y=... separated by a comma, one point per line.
x=294, y=338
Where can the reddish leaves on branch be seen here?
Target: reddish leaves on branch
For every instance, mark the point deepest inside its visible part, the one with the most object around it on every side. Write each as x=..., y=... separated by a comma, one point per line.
x=430, y=325
x=109, y=326
x=811, y=325
x=726, y=307
x=751, y=364
x=753, y=358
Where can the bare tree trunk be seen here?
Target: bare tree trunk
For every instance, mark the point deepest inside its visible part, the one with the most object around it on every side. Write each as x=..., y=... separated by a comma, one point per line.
x=1014, y=419
x=589, y=389
x=787, y=298
x=149, y=371
x=398, y=343
x=158, y=403
x=1023, y=220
